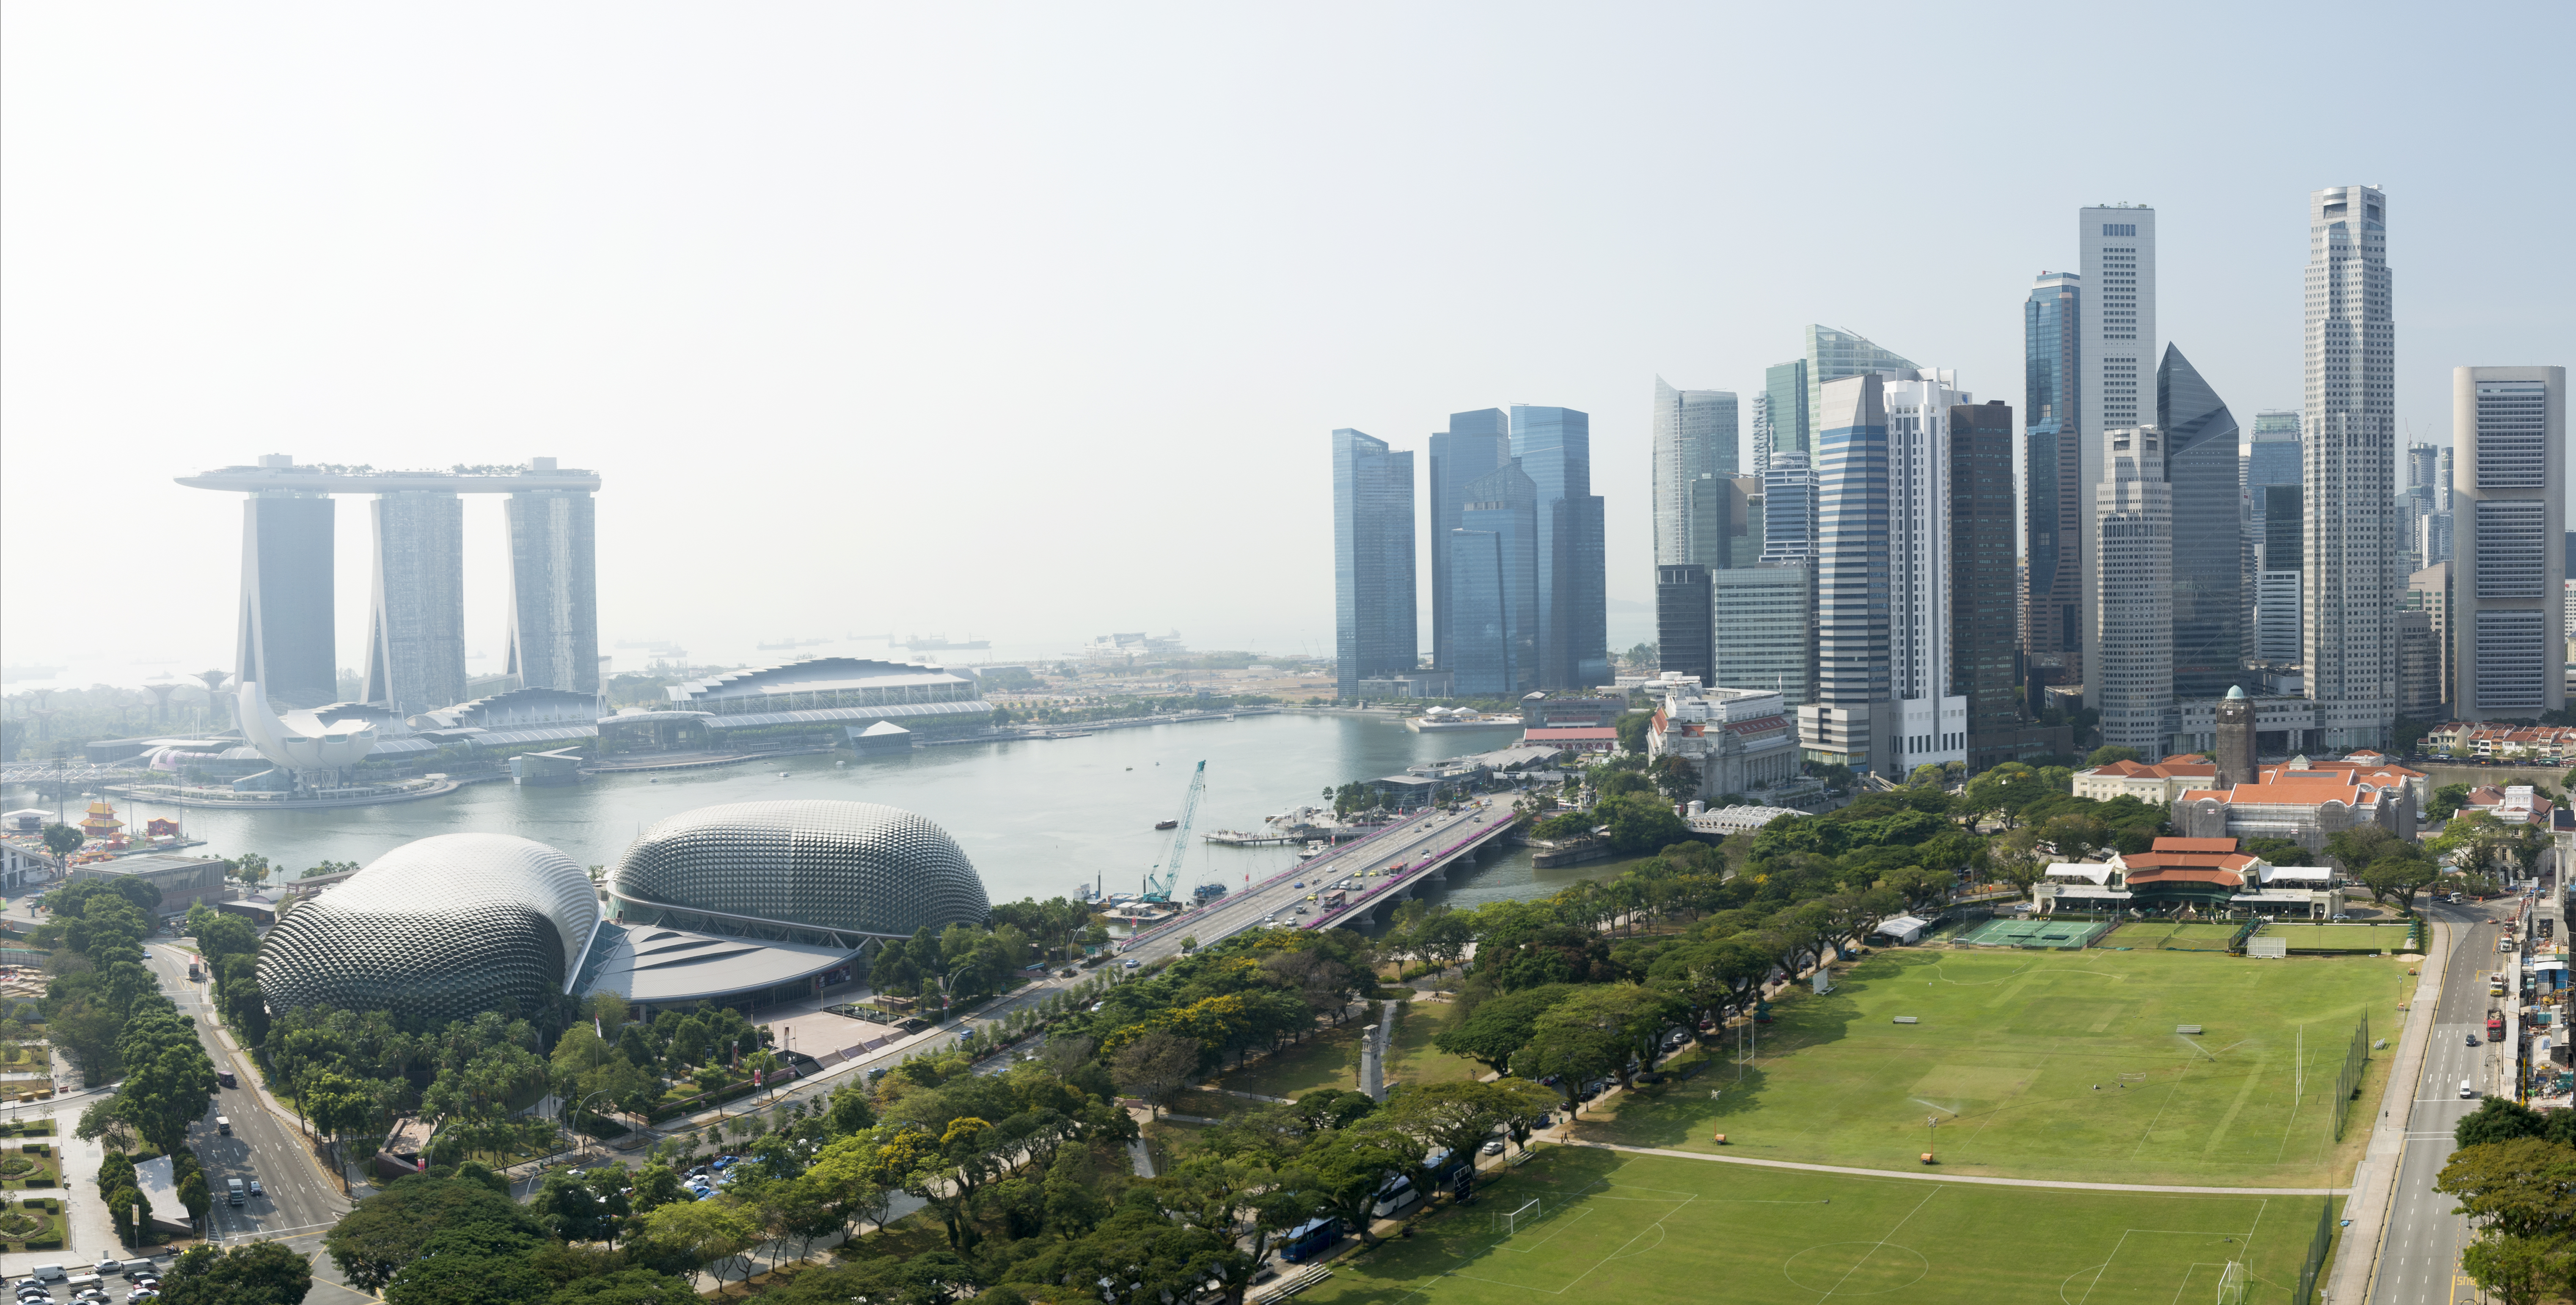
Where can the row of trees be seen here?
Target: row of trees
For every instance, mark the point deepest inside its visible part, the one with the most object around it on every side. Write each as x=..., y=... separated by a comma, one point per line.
x=2514, y=1176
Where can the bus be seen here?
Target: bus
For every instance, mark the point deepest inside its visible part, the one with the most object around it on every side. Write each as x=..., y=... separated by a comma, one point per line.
x=1394, y=1198
x=1310, y=1239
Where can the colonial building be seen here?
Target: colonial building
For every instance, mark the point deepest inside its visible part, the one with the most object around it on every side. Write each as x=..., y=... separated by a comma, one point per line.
x=2156, y=784
x=1740, y=739
x=2299, y=803
x=2201, y=875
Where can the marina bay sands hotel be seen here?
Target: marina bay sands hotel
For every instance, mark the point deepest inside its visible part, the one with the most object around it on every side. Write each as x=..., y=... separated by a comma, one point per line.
x=416, y=631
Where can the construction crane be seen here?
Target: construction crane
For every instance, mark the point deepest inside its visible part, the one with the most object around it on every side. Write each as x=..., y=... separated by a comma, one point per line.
x=1160, y=880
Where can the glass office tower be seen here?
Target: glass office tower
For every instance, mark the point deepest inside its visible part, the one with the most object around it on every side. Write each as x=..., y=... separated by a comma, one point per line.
x=1784, y=406
x=1685, y=642
x=1495, y=602
x=1762, y=626
x=1851, y=720
x=1474, y=445
x=1982, y=557
x=1695, y=436
x=1554, y=447
x=2272, y=469
x=1374, y=629
x=1833, y=355
x=2051, y=636
x=2200, y=466
x=1788, y=509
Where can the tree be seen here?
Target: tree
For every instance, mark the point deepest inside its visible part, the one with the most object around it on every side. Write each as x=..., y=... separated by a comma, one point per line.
x=1567, y=1055
x=63, y=840
x=1345, y=1168
x=569, y=1209
x=461, y=1278
x=1461, y=1115
x=193, y=1195
x=391, y=1229
x=1639, y=823
x=1676, y=777
x=1499, y=1026
x=707, y=1232
x=2514, y=1268
x=2398, y=877
x=1632, y=729
x=256, y=1273
x=1155, y=1066
x=2523, y=1188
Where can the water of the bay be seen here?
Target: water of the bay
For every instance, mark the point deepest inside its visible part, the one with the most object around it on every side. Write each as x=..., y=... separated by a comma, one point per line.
x=1037, y=817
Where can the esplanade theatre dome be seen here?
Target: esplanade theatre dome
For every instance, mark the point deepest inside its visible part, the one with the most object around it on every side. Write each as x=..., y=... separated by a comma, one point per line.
x=853, y=866
x=438, y=929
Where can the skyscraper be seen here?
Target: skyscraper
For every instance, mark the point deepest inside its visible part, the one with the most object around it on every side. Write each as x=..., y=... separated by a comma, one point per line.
x=1980, y=509
x=1884, y=697
x=1554, y=446
x=1725, y=521
x=416, y=625
x=2429, y=591
x=1474, y=445
x=2115, y=344
x=2348, y=591
x=554, y=588
x=2133, y=640
x=1374, y=630
x=286, y=643
x=1759, y=425
x=2272, y=467
x=1762, y=621
x=1833, y=355
x=1788, y=508
x=1784, y=406
x=1694, y=437
x=2051, y=636
x=1685, y=643
x=2200, y=462
x=1495, y=591
x=2509, y=532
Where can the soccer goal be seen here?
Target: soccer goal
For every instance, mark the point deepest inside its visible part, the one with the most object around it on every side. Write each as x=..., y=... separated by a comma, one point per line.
x=2233, y=1284
x=1509, y=1222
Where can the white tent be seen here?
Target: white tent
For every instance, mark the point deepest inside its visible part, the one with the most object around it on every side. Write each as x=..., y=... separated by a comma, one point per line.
x=1902, y=928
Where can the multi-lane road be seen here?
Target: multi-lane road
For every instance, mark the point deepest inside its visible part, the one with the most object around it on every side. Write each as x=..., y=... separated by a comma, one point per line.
x=300, y=1193
x=1246, y=908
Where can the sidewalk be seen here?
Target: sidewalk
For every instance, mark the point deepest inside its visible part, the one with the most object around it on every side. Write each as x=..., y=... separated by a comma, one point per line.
x=2366, y=1212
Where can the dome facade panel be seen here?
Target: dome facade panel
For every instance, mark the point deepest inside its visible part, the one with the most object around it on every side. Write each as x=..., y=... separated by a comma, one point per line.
x=856, y=866
x=438, y=929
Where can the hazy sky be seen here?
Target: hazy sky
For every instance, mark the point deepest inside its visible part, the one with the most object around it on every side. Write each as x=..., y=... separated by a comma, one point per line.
x=1031, y=321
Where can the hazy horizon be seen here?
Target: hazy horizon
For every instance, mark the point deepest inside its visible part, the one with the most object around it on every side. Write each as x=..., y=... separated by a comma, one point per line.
x=1030, y=324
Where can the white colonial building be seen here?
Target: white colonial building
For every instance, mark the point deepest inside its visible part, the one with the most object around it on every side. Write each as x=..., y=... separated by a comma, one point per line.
x=1741, y=740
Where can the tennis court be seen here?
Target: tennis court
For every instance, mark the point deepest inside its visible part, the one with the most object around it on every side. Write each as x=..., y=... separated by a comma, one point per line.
x=2168, y=936
x=2066, y=935
x=2372, y=938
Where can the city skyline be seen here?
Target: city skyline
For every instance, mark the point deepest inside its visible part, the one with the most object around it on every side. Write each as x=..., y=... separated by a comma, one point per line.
x=693, y=292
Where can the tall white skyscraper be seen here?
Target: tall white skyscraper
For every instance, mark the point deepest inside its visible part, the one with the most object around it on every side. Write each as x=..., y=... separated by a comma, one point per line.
x=1695, y=436
x=2509, y=540
x=1932, y=722
x=2115, y=367
x=2349, y=586
x=2133, y=535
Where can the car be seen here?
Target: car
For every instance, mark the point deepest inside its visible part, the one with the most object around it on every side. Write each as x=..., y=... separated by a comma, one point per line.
x=1494, y=1147
x=1300, y=883
x=1299, y=910
x=256, y=1189
x=2473, y=1039
x=1131, y=964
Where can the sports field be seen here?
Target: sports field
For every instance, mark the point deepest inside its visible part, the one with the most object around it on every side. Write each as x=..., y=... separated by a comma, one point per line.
x=2067, y=933
x=2062, y=1065
x=2341, y=937
x=1650, y=1229
x=2164, y=935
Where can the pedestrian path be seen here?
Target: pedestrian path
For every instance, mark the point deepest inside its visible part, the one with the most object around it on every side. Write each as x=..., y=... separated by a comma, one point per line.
x=1933, y=1175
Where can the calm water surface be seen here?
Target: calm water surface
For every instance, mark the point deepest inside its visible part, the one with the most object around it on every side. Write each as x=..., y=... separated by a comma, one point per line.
x=1037, y=817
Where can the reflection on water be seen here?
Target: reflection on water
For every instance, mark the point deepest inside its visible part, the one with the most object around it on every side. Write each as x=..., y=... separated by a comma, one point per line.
x=1038, y=817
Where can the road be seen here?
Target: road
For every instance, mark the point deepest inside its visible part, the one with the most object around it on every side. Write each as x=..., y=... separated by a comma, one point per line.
x=262, y=1146
x=2420, y=1257
x=1247, y=907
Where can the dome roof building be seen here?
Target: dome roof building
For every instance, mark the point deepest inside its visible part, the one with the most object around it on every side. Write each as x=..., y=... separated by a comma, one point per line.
x=846, y=867
x=438, y=929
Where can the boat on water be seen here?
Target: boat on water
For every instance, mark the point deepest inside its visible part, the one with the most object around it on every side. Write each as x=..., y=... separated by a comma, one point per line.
x=1443, y=719
x=1167, y=824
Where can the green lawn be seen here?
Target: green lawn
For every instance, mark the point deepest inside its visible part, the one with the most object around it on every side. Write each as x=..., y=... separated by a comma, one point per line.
x=1649, y=1229
x=2341, y=937
x=2152, y=935
x=1330, y=1058
x=2046, y=1065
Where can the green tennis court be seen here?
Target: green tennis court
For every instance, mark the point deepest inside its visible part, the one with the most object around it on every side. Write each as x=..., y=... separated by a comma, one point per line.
x=2042, y=932
x=2166, y=936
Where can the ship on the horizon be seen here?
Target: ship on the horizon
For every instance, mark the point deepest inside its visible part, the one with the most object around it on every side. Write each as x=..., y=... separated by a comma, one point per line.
x=940, y=643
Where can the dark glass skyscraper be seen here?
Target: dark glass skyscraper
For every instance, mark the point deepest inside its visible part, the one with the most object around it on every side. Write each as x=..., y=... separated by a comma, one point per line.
x=1981, y=577
x=1554, y=446
x=2053, y=617
x=1374, y=630
x=2200, y=465
x=1784, y=390
x=1474, y=445
x=1493, y=560
x=1685, y=639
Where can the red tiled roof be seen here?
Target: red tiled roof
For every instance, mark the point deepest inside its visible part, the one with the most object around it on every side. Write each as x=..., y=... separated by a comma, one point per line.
x=2162, y=875
x=2195, y=845
x=2233, y=862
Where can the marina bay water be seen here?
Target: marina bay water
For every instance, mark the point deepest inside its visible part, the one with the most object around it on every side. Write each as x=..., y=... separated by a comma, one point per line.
x=1038, y=817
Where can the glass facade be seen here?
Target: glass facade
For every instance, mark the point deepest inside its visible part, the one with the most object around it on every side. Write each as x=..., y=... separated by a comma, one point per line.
x=439, y=929
x=286, y=643
x=1761, y=623
x=554, y=590
x=1684, y=639
x=1788, y=508
x=1695, y=437
x=1833, y=355
x=1982, y=558
x=2052, y=635
x=1784, y=406
x=1554, y=448
x=1852, y=662
x=2208, y=580
x=1374, y=623
x=416, y=630
x=1474, y=445
x=1496, y=549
